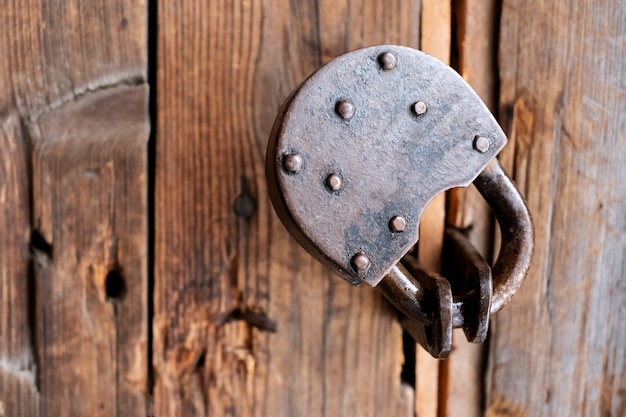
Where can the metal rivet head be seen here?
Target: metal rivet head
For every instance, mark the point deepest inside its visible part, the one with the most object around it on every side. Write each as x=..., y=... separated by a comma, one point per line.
x=334, y=182
x=293, y=163
x=419, y=108
x=360, y=262
x=481, y=144
x=397, y=224
x=345, y=109
x=387, y=61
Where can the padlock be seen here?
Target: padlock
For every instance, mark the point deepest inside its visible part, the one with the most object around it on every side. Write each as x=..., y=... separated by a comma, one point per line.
x=355, y=155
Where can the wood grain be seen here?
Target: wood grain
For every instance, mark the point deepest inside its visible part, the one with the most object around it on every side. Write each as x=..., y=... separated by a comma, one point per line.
x=18, y=393
x=558, y=348
x=436, y=22
x=90, y=186
x=247, y=323
x=474, y=54
x=476, y=26
x=73, y=207
x=63, y=49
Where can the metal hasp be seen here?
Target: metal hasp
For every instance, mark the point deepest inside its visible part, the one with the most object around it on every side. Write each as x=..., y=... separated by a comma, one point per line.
x=355, y=155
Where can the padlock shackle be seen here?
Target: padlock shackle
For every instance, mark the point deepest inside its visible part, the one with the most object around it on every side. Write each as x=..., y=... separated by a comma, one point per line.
x=516, y=227
x=430, y=322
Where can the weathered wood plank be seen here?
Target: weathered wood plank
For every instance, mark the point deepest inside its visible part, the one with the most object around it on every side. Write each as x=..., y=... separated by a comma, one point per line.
x=75, y=154
x=18, y=392
x=61, y=49
x=475, y=26
x=558, y=348
x=346, y=25
x=89, y=170
x=436, y=26
x=247, y=323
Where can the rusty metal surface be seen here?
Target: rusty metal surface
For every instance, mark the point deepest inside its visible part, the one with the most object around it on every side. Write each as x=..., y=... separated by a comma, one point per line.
x=397, y=127
x=435, y=336
x=470, y=278
x=517, y=230
x=405, y=293
x=355, y=155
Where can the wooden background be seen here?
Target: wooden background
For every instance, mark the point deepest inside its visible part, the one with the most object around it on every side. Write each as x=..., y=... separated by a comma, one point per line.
x=143, y=271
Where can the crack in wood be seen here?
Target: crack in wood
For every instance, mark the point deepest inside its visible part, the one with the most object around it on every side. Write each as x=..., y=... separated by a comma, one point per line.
x=129, y=80
x=41, y=250
x=258, y=320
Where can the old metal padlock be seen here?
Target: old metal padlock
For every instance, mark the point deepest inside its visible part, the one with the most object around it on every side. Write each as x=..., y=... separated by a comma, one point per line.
x=355, y=155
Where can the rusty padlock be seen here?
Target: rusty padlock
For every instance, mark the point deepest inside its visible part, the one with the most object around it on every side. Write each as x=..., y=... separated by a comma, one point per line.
x=355, y=155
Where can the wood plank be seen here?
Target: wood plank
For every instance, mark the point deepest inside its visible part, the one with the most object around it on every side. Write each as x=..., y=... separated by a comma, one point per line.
x=436, y=21
x=558, y=348
x=247, y=323
x=475, y=43
x=91, y=290
x=476, y=24
x=75, y=193
x=62, y=49
x=346, y=25
x=18, y=392
x=436, y=25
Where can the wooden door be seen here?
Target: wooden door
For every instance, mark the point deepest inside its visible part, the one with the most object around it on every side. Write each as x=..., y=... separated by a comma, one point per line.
x=144, y=272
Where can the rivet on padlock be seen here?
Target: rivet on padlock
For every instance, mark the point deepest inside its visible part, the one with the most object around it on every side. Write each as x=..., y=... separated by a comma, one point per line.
x=355, y=155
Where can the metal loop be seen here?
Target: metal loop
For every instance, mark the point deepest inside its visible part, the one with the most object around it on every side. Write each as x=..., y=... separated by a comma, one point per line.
x=517, y=231
x=408, y=293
